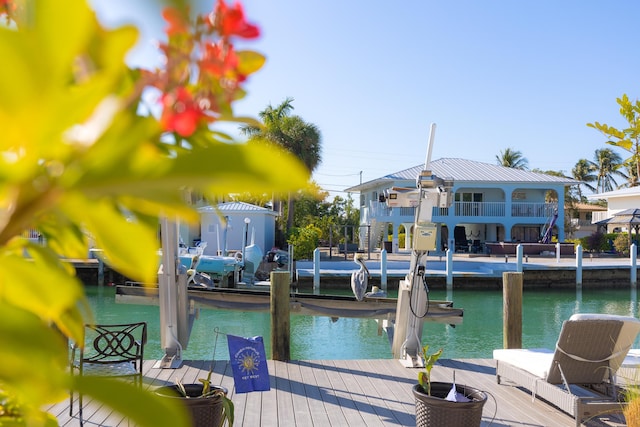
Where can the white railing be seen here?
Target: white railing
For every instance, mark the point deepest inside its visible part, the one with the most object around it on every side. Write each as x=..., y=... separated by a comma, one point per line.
x=533, y=210
x=479, y=209
x=465, y=209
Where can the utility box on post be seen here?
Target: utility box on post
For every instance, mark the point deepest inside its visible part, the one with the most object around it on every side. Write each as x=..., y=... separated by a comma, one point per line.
x=424, y=237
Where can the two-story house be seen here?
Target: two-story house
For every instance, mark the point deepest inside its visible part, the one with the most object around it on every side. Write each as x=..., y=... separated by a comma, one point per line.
x=617, y=201
x=486, y=203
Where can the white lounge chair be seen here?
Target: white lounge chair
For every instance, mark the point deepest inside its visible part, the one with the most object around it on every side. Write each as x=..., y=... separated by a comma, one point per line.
x=578, y=375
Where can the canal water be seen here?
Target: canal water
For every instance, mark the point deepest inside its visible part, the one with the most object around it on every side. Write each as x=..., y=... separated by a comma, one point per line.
x=318, y=338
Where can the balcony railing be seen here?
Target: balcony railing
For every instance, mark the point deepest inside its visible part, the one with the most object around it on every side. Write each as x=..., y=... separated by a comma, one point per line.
x=467, y=209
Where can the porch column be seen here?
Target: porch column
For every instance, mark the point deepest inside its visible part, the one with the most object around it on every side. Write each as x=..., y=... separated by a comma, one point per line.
x=560, y=221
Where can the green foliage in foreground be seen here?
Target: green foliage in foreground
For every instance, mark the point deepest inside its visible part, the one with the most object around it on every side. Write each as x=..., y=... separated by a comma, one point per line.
x=78, y=164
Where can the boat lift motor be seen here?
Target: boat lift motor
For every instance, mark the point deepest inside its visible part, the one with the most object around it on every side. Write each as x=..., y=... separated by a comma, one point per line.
x=413, y=299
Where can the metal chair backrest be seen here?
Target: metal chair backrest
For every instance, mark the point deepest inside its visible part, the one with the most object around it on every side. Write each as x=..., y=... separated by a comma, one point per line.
x=110, y=344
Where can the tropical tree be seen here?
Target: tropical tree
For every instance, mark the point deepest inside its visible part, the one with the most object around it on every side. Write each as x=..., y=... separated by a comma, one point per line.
x=583, y=171
x=631, y=167
x=607, y=163
x=78, y=163
x=292, y=133
x=512, y=159
x=629, y=138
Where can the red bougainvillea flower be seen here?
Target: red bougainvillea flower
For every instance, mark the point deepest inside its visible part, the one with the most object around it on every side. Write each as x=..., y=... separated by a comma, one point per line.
x=7, y=7
x=217, y=59
x=180, y=114
x=175, y=19
x=232, y=22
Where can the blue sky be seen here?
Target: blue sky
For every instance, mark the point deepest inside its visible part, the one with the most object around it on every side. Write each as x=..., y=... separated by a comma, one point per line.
x=491, y=74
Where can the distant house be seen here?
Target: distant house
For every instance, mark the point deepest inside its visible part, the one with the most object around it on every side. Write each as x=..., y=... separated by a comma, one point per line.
x=617, y=201
x=487, y=203
x=259, y=221
x=581, y=216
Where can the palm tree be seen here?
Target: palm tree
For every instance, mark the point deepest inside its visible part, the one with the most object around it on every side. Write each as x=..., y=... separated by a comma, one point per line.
x=302, y=139
x=583, y=171
x=607, y=164
x=512, y=159
x=632, y=173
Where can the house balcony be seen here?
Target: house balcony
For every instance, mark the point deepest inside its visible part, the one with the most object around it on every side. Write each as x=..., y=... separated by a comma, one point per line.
x=464, y=212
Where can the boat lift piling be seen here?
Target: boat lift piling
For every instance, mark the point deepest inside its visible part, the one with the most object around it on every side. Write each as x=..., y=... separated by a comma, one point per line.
x=413, y=298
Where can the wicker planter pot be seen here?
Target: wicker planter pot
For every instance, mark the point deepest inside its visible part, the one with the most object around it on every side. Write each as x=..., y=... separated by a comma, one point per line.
x=434, y=410
x=205, y=411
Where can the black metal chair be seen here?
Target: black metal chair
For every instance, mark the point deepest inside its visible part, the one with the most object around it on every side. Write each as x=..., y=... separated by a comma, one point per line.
x=110, y=351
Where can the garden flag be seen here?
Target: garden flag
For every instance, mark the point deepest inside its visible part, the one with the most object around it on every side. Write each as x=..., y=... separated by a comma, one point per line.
x=249, y=364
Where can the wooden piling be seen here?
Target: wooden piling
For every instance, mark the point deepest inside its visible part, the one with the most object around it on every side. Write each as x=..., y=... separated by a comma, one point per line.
x=512, y=309
x=280, y=316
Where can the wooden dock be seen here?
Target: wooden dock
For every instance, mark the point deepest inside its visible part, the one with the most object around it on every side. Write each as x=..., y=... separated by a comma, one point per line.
x=347, y=393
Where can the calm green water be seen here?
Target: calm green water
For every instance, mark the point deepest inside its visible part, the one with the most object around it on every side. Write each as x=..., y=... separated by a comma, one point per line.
x=315, y=338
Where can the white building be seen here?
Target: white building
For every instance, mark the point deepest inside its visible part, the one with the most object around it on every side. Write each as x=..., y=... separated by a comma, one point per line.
x=257, y=222
x=617, y=201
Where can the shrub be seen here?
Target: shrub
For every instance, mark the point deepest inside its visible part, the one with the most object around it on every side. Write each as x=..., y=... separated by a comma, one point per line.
x=621, y=244
x=304, y=240
x=595, y=242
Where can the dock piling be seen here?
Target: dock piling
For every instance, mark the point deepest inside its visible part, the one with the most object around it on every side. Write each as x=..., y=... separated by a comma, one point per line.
x=579, y=265
x=280, y=316
x=512, y=309
x=383, y=269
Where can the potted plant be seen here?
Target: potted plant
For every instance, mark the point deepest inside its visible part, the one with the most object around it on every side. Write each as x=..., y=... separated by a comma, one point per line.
x=631, y=410
x=445, y=404
x=208, y=405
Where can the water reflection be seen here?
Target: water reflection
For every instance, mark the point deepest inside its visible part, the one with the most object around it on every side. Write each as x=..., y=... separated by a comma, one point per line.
x=322, y=338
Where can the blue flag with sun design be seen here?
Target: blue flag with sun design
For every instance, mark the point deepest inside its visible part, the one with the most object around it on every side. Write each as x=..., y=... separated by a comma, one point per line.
x=248, y=363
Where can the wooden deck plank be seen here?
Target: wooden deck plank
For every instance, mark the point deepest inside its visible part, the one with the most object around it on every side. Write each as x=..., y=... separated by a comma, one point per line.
x=316, y=405
x=302, y=415
x=334, y=412
x=345, y=393
x=351, y=375
x=284, y=404
x=379, y=395
x=346, y=401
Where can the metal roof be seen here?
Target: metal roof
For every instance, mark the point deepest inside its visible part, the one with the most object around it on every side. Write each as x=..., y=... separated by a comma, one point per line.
x=235, y=207
x=624, y=192
x=463, y=170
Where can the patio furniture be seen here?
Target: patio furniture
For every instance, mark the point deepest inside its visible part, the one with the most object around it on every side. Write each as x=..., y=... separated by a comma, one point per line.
x=579, y=375
x=110, y=351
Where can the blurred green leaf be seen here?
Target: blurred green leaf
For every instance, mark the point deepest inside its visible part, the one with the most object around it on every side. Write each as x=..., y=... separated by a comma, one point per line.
x=250, y=61
x=151, y=410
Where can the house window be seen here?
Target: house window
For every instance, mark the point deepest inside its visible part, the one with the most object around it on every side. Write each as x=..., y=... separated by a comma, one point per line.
x=468, y=204
x=468, y=197
x=519, y=195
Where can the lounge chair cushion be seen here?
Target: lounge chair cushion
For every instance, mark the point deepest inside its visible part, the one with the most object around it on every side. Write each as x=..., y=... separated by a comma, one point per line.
x=536, y=361
x=583, y=360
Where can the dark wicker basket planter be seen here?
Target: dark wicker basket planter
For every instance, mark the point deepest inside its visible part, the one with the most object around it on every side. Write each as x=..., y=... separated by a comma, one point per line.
x=205, y=411
x=434, y=410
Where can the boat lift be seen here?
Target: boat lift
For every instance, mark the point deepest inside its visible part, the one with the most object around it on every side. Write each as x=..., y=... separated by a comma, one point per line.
x=413, y=292
x=177, y=314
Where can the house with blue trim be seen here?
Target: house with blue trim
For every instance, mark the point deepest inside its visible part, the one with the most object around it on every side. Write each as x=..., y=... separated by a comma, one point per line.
x=481, y=203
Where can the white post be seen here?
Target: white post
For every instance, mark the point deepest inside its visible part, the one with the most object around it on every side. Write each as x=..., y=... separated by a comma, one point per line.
x=634, y=270
x=519, y=252
x=449, y=269
x=291, y=265
x=558, y=252
x=579, y=265
x=168, y=297
x=316, y=271
x=383, y=269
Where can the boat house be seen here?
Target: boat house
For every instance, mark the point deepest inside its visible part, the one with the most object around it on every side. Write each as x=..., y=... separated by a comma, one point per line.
x=244, y=222
x=482, y=206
